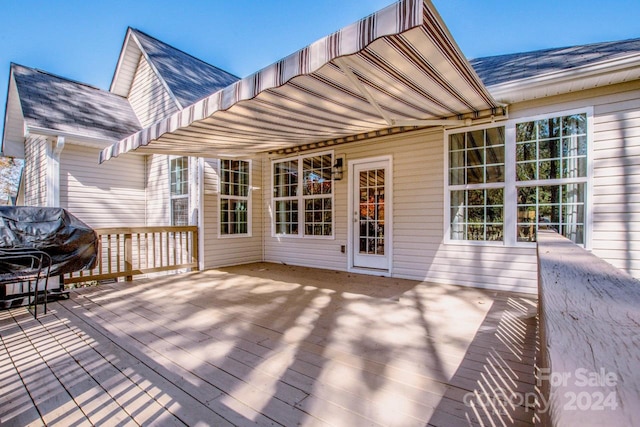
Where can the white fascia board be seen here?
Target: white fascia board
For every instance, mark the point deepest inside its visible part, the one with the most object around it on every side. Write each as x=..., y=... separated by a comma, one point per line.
x=155, y=70
x=560, y=81
x=70, y=137
x=117, y=75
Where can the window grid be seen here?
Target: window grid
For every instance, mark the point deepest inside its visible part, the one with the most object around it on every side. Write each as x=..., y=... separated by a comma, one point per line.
x=285, y=179
x=553, y=148
x=477, y=214
x=556, y=207
x=476, y=157
x=372, y=186
x=179, y=176
x=287, y=217
x=235, y=185
x=180, y=211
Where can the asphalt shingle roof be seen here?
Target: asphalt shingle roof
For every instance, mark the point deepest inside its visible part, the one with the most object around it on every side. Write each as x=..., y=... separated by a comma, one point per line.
x=55, y=103
x=499, y=69
x=189, y=78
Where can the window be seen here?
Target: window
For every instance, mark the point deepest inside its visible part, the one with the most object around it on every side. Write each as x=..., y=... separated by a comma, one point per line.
x=179, y=190
x=303, y=196
x=535, y=170
x=235, y=186
x=476, y=181
x=551, y=175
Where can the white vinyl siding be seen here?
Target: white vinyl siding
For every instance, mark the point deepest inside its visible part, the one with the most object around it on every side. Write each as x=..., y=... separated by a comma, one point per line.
x=14, y=124
x=149, y=97
x=35, y=171
x=616, y=183
x=222, y=251
x=157, y=190
x=108, y=195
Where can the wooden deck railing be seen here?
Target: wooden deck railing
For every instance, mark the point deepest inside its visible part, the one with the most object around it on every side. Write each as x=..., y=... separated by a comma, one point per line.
x=589, y=324
x=129, y=251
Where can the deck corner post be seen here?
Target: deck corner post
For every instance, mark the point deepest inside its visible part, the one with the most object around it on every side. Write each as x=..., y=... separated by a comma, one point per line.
x=195, y=256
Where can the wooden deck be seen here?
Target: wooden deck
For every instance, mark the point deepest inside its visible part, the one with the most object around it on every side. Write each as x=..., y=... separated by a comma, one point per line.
x=270, y=344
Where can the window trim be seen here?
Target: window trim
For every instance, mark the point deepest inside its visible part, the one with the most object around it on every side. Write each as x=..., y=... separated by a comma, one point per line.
x=248, y=198
x=486, y=185
x=180, y=196
x=301, y=198
x=511, y=184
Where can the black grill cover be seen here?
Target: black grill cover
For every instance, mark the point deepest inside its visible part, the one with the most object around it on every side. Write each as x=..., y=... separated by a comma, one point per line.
x=70, y=243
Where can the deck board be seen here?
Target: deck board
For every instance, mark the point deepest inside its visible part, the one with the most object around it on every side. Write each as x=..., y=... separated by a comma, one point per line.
x=269, y=344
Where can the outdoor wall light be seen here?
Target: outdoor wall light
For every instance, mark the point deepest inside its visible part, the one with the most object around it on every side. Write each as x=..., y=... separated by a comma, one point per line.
x=337, y=169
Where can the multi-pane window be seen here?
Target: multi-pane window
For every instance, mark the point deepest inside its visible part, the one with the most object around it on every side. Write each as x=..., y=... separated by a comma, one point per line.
x=234, y=193
x=317, y=191
x=179, y=190
x=551, y=175
x=285, y=188
x=534, y=172
x=476, y=177
x=303, y=195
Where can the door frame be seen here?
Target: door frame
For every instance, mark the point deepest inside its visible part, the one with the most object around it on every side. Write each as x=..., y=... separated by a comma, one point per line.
x=388, y=212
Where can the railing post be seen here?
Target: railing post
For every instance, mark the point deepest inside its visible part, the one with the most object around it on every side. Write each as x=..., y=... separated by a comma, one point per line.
x=128, y=257
x=194, y=250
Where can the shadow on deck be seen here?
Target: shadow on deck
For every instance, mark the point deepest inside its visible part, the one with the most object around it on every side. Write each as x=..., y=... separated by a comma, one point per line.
x=269, y=344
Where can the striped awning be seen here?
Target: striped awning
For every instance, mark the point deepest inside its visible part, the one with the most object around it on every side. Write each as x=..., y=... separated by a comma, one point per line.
x=397, y=67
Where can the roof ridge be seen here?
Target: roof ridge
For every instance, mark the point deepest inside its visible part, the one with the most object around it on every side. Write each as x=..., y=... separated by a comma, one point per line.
x=135, y=30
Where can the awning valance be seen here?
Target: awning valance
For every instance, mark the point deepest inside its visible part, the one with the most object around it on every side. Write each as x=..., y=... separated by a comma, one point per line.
x=397, y=67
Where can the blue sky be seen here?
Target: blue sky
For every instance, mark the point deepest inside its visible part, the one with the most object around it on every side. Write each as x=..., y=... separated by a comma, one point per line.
x=81, y=40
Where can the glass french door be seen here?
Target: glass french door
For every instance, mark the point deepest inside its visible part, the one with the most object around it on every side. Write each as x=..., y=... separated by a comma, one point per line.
x=370, y=240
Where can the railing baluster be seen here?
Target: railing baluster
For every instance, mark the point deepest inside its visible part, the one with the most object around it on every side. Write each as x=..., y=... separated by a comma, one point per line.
x=109, y=258
x=128, y=257
x=138, y=250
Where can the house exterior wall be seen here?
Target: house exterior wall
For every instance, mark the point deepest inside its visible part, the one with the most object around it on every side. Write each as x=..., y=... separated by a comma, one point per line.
x=36, y=149
x=108, y=195
x=230, y=250
x=148, y=96
x=616, y=167
x=418, y=233
x=419, y=248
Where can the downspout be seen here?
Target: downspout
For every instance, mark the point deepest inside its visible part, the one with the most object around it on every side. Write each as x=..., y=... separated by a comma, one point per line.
x=53, y=173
